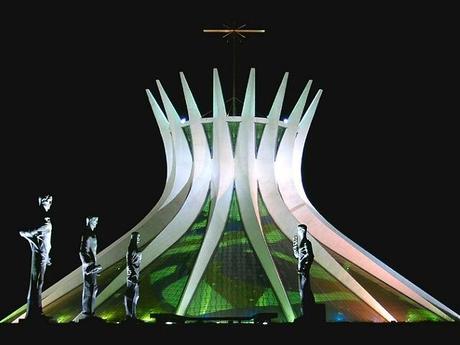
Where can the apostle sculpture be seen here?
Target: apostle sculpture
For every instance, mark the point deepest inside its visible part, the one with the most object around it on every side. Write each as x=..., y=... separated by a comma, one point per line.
x=90, y=270
x=304, y=253
x=39, y=238
x=133, y=265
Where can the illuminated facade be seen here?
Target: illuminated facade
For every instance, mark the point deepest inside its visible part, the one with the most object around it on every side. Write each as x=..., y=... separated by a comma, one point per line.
x=218, y=242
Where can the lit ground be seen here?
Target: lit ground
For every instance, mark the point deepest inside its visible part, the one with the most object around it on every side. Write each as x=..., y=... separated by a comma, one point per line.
x=442, y=332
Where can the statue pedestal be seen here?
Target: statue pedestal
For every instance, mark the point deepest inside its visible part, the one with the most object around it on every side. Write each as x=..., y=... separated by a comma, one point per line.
x=317, y=314
x=37, y=320
x=91, y=320
x=132, y=321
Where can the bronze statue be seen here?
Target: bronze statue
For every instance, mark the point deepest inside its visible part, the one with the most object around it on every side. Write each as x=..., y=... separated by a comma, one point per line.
x=133, y=266
x=88, y=249
x=39, y=238
x=303, y=251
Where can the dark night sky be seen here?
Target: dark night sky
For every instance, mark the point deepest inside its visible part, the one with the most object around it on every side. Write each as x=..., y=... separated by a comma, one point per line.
x=380, y=157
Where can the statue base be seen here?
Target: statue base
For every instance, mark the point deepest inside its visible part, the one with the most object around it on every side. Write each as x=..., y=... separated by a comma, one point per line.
x=91, y=320
x=40, y=319
x=316, y=314
x=132, y=321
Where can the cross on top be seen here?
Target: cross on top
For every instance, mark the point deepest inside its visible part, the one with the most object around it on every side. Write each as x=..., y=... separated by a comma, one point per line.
x=238, y=31
x=234, y=33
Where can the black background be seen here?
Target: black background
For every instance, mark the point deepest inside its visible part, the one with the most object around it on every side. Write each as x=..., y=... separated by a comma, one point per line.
x=380, y=159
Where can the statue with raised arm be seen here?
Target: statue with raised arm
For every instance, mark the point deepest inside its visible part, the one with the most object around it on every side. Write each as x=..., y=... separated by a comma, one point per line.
x=39, y=238
x=90, y=270
x=133, y=266
x=303, y=251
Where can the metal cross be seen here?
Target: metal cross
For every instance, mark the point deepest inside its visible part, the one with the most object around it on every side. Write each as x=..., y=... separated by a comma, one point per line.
x=234, y=33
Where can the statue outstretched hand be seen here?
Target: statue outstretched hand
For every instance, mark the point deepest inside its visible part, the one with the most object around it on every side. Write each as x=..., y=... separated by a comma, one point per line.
x=95, y=269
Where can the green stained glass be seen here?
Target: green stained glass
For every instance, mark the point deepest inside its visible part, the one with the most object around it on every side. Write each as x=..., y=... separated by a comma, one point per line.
x=233, y=239
x=335, y=296
x=160, y=274
x=268, y=298
x=162, y=282
x=281, y=131
x=273, y=236
x=208, y=127
x=259, y=130
x=341, y=303
x=188, y=135
x=294, y=297
x=173, y=292
x=198, y=225
x=184, y=249
x=420, y=314
x=14, y=315
x=233, y=127
x=234, y=282
x=318, y=272
x=398, y=305
x=210, y=301
x=284, y=257
x=281, y=250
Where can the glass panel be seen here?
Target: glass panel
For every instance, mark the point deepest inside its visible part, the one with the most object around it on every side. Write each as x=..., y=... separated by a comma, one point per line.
x=208, y=131
x=259, y=129
x=281, y=249
x=281, y=131
x=14, y=315
x=341, y=303
x=234, y=283
x=400, y=306
x=233, y=127
x=163, y=281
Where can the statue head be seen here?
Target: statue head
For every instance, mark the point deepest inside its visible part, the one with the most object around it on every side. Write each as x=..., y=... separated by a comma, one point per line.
x=301, y=231
x=45, y=201
x=91, y=222
x=135, y=238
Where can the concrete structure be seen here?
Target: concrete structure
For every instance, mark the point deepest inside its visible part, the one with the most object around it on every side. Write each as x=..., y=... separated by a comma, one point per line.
x=218, y=242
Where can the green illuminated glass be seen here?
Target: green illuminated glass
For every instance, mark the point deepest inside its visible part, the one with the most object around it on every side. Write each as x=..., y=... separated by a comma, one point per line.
x=420, y=314
x=281, y=131
x=281, y=249
x=397, y=304
x=341, y=303
x=233, y=127
x=268, y=298
x=163, y=281
x=208, y=128
x=259, y=130
x=234, y=282
x=162, y=273
x=14, y=315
